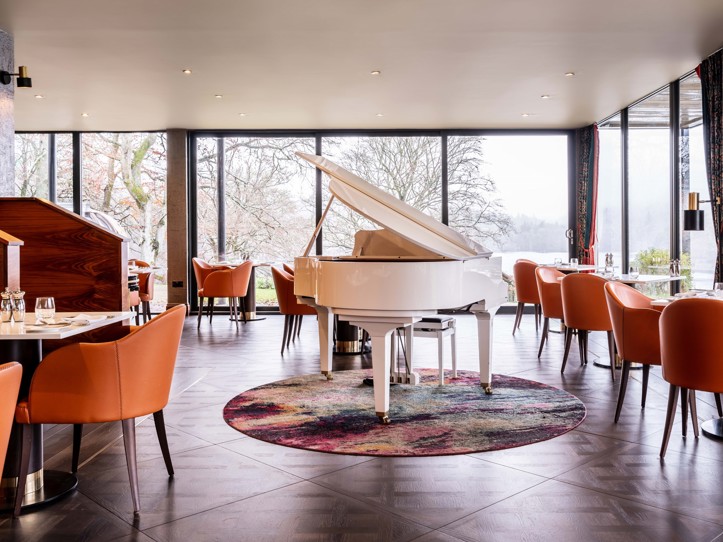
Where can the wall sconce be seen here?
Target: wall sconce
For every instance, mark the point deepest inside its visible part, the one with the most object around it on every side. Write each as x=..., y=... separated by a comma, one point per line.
x=693, y=217
x=23, y=80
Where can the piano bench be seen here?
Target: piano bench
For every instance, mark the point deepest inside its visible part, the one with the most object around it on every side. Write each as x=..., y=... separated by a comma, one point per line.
x=439, y=327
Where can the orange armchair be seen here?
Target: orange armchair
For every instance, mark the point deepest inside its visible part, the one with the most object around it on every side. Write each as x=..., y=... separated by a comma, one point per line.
x=526, y=290
x=585, y=309
x=10, y=376
x=690, y=351
x=548, y=286
x=103, y=382
x=288, y=305
x=635, y=328
x=224, y=282
x=145, y=290
x=289, y=269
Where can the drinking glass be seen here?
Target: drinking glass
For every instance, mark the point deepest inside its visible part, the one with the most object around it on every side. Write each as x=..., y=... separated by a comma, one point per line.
x=634, y=272
x=573, y=262
x=44, y=309
x=558, y=262
x=718, y=289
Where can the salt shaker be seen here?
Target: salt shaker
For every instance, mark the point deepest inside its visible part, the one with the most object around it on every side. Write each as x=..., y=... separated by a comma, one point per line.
x=6, y=305
x=18, y=306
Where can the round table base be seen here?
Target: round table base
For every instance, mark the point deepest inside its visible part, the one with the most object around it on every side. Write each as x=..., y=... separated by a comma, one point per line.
x=713, y=428
x=57, y=484
x=606, y=365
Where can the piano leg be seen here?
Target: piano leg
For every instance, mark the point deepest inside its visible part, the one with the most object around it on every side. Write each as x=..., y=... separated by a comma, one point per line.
x=484, y=337
x=326, y=335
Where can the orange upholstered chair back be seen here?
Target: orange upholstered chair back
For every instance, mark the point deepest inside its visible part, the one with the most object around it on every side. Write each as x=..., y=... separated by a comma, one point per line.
x=548, y=286
x=284, y=284
x=584, y=304
x=146, y=281
x=228, y=282
x=526, y=282
x=690, y=344
x=288, y=269
x=201, y=270
x=101, y=382
x=635, y=324
x=10, y=375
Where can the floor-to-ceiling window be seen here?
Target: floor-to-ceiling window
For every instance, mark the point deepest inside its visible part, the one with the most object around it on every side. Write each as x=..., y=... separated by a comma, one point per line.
x=32, y=157
x=609, y=193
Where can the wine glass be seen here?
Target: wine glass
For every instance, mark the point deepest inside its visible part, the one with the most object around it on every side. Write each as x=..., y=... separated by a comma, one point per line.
x=44, y=310
x=573, y=262
x=634, y=271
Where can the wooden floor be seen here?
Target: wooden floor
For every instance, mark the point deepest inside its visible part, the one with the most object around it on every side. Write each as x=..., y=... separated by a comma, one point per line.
x=602, y=481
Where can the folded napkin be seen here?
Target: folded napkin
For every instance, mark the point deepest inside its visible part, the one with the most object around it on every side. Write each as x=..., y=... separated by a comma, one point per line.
x=84, y=319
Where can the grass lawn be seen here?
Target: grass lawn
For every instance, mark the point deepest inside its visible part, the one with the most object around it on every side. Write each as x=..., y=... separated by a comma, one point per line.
x=266, y=296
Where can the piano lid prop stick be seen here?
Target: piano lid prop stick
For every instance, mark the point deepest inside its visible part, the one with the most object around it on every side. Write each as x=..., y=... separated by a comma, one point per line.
x=318, y=227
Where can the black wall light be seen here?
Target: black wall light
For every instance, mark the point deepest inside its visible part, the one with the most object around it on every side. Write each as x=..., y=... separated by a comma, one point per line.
x=23, y=80
x=693, y=217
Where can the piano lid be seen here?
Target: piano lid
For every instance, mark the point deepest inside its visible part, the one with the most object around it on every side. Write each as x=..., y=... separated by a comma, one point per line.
x=395, y=215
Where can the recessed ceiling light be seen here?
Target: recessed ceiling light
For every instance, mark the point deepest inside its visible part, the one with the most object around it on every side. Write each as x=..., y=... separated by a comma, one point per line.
x=218, y=96
x=242, y=114
x=570, y=74
x=187, y=71
x=376, y=72
x=39, y=96
x=84, y=115
x=526, y=115
x=380, y=114
x=545, y=96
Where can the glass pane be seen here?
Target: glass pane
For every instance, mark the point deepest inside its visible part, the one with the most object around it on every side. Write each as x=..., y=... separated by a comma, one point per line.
x=698, y=248
x=649, y=186
x=124, y=190
x=510, y=194
x=270, y=204
x=207, y=199
x=31, y=165
x=64, y=170
x=406, y=167
x=609, y=194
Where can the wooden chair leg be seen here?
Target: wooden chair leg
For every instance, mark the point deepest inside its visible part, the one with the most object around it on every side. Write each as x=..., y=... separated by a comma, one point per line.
x=163, y=440
x=518, y=317
x=568, y=342
x=292, y=320
x=646, y=376
x=77, y=437
x=26, y=443
x=669, y=417
x=718, y=404
x=138, y=314
x=693, y=412
x=582, y=345
x=211, y=302
x=148, y=309
x=233, y=308
x=129, y=443
x=286, y=330
x=684, y=409
x=545, y=327
x=623, y=387
x=538, y=316
x=611, y=350
x=298, y=329
x=200, y=312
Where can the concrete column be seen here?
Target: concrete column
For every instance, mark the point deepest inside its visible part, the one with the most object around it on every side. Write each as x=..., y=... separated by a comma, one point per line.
x=7, y=118
x=177, y=203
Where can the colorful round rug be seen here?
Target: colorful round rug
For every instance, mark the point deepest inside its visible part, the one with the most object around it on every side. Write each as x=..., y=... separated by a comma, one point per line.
x=337, y=416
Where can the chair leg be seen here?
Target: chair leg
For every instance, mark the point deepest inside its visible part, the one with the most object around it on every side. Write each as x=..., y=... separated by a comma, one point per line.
x=440, y=356
x=234, y=310
x=145, y=310
x=684, y=409
x=568, y=342
x=286, y=330
x=453, y=339
x=200, y=312
x=646, y=376
x=545, y=327
x=669, y=417
x=611, y=350
x=294, y=327
x=163, y=440
x=243, y=308
x=693, y=412
x=718, y=404
x=538, y=314
x=129, y=443
x=291, y=331
x=582, y=345
x=623, y=387
x=77, y=437
x=211, y=302
x=298, y=329
x=148, y=309
x=26, y=443
x=518, y=317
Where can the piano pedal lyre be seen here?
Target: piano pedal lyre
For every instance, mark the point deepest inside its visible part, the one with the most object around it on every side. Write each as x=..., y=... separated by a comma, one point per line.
x=384, y=418
x=328, y=375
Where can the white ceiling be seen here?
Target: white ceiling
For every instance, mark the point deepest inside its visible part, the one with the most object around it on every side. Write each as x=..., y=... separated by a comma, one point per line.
x=306, y=63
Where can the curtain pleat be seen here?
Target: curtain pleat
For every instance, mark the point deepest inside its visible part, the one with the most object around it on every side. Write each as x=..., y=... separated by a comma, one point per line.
x=711, y=78
x=586, y=173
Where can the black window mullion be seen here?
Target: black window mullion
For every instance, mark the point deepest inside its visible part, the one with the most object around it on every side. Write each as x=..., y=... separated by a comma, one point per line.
x=675, y=177
x=624, y=192
x=77, y=174
x=445, y=180
x=221, y=196
x=52, y=167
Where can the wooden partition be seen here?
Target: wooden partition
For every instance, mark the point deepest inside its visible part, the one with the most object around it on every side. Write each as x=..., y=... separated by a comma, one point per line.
x=81, y=265
x=9, y=261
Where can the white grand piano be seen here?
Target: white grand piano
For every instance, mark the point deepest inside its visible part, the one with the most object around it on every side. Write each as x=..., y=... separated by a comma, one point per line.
x=395, y=277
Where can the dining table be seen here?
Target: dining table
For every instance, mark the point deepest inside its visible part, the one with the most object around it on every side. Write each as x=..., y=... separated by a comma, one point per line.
x=22, y=342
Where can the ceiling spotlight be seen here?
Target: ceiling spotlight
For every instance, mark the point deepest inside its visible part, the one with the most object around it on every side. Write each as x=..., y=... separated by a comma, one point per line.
x=545, y=96
x=218, y=96
x=380, y=114
x=84, y=115
x=39, y=96
x=23, y=81
x=525, y=114
x=242, y=114
x=376, y=72
x=570, y=74
x=187, y=71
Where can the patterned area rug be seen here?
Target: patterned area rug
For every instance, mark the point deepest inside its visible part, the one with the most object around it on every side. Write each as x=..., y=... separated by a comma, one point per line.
x=458, y=418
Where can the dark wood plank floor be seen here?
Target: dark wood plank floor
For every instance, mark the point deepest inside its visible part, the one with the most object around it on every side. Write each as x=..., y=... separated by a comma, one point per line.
x=602, y=481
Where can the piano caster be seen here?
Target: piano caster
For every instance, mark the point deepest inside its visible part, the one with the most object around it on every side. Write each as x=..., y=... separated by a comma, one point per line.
x=328, y=375
x=488, y=389
x=384, y=418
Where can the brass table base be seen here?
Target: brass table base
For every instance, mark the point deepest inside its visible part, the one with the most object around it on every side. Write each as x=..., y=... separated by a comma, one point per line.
x=57, y=484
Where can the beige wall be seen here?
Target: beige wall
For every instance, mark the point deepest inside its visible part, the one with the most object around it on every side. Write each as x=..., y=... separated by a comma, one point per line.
x=177, y=202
